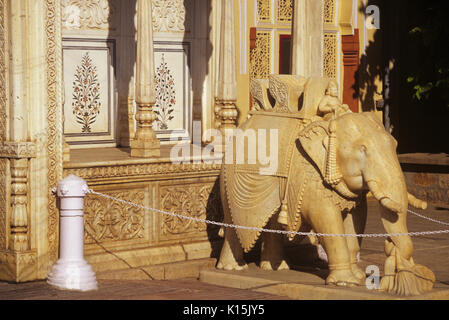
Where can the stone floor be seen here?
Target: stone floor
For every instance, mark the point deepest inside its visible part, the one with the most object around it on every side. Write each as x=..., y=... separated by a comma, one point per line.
x=431, y=251
x=183, y=289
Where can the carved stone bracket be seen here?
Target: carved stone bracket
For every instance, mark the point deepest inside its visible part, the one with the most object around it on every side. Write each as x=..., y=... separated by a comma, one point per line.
x=17, y=150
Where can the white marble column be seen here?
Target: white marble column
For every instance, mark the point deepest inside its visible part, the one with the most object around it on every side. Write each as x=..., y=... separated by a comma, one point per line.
x=226, y=97
x=307, y=38
x=145, y=143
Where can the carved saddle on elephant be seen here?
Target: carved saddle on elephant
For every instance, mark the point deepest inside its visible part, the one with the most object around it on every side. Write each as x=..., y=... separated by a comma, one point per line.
x=253, y=186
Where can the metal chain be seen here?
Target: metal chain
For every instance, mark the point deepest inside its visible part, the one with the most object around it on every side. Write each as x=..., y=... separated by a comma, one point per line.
x=227, y=225
x=427, y=218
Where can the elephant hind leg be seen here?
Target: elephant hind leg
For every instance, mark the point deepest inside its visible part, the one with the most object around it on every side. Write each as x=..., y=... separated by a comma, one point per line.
x=272, y=256
x=231, y=256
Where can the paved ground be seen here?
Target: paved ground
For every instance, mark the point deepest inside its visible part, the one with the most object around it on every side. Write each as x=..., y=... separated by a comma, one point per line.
x=185, y=289
x=432, y=251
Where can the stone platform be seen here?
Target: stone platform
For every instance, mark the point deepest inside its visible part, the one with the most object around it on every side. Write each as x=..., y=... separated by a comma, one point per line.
x=307, y=284
x=307, y=277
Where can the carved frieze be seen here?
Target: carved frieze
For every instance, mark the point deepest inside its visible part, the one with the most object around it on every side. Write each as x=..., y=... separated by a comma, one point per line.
x=140, y=170
x=169, y=15
x=86, y=14
x=106, y=220
x=17, y=150
x=194, y=200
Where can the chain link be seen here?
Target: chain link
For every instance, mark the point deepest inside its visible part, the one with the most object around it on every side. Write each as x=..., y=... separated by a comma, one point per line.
x=227, y=225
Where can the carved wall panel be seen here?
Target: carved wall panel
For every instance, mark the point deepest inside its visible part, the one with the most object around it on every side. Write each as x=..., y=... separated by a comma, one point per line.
x=109, y=221
x=330, y=55
x=264, y=10
x=284, y=12
x=329, y=11
x=170, y=16
x=193, y=200
x=87, y=14
x=260, y=56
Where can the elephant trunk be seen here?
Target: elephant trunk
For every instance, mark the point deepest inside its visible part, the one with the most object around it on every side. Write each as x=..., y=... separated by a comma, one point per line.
x=393, y=215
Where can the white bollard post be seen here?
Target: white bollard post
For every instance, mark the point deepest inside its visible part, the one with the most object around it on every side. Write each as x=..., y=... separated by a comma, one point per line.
x=72, y=272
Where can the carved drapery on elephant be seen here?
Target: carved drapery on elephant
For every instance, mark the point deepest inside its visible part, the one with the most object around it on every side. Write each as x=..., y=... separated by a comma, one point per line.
x=326, y=166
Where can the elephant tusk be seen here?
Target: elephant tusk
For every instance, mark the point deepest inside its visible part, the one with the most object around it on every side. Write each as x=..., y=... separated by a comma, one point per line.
x=420, y=204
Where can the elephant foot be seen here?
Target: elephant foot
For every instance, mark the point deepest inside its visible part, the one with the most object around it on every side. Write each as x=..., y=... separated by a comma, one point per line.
x=342, y=278
x=404, y=277
x=232, y=266
x=358, y=273
x=267, y=265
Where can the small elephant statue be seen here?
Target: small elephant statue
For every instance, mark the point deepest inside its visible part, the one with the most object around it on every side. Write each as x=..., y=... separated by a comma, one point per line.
x=325, y=169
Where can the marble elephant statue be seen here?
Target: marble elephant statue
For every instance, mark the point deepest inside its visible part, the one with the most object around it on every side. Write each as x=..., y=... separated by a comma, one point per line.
x=325, y=169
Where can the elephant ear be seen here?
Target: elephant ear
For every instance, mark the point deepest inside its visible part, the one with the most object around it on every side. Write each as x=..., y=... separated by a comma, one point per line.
x=314, y=139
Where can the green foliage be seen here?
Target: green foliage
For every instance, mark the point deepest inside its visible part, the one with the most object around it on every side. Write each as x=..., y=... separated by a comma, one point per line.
x=428, y=35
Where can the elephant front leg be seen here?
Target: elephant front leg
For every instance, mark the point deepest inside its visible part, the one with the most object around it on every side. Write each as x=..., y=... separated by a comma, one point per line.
x=354, y=223
x=326, y=219
x=272, y=256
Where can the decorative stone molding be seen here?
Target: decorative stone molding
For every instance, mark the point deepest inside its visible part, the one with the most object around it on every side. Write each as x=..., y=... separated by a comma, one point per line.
x=169, y=15
x=17, y=150
x=3, y=126
x=141, y=170
x=86, y=14
x=54, y=116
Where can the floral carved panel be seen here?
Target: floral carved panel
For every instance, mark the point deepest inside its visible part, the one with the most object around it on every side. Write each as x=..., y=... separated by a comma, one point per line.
x=87, y=14
x=170, y=15
x=173, y=107
x=194, y=200
x=107, y=221
x=89, y=90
